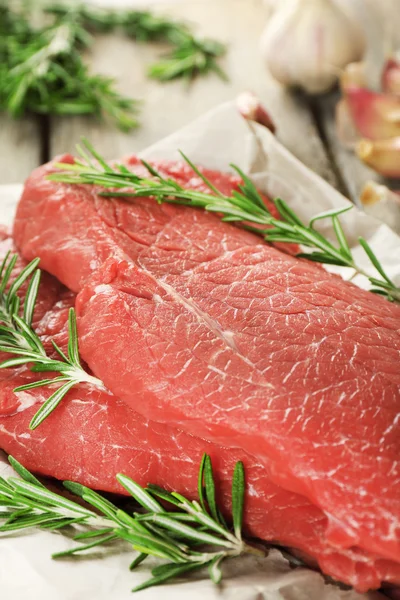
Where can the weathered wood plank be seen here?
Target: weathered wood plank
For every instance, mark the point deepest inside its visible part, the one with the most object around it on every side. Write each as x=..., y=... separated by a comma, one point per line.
x=352, y=171
x=20, y=148
x=382, y=25
x=170, y=106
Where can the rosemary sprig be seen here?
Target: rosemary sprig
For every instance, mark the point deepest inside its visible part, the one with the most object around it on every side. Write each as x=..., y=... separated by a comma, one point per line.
x=189, y=56
x=187, y=534
x=141, y=25
x=18, y=338
x=242, y=207
x=42, y=71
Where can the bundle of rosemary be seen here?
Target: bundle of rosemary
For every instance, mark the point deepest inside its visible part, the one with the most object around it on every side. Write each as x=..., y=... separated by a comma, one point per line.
x=42, y=70
x=187, y=535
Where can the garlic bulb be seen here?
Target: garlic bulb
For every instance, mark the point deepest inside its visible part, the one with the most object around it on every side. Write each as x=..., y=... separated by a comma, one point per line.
x=307, y=42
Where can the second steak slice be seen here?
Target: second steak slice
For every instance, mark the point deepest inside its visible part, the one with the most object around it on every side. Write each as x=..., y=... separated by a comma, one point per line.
x=93, y=435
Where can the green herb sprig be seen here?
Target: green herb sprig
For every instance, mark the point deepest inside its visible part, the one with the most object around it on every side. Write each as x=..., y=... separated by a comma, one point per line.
x=189, y=535
x=42, y=69
x=242, y=207
x=18, y=338
x=190, y=55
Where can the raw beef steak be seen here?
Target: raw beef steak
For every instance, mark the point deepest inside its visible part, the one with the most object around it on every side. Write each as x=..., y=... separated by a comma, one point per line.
x=235, y=342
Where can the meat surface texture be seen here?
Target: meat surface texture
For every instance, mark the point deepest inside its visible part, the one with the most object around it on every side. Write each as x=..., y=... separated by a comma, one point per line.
x=93, y=436
x=236, y=342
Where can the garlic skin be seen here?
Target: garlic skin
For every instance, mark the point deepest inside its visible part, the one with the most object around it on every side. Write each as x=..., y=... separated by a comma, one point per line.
x=391, y=77
x=376, y=116
x=354, y=75
x=307, y=42
x=382, y=203
x=382, y=155
x=250, y=107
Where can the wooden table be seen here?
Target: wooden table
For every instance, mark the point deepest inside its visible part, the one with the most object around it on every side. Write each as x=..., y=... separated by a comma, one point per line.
x=305, y=127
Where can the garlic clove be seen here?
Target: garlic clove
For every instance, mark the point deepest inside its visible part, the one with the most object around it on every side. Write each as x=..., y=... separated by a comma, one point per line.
x=376, y=116
x=391, y=77
x=382, y=203
x=308, y=42
x=251, y=109
x=346, y=131
x=354, y=74
x=382, y=155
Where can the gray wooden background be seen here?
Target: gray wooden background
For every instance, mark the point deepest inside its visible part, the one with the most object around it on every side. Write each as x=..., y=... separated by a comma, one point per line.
x=306, y=127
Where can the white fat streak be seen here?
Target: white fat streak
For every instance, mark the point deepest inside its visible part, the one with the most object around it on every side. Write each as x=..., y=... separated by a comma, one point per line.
x=25, y=400
x=103, y=289
x=202, y=317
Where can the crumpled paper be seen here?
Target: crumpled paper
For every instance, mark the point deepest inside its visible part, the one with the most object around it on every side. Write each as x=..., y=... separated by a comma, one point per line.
x=26, y=570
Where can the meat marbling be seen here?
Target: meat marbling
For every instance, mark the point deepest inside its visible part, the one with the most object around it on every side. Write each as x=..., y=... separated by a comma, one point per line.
x=235, y=342
x=93, y=436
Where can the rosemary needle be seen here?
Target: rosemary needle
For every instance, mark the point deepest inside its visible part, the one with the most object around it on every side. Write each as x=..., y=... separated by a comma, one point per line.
x=191, y=536
x=242, y=207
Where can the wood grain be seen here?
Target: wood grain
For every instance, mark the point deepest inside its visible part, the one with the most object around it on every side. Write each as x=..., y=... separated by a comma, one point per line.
x=353, y=173
x=20, y=148
x=167, y=107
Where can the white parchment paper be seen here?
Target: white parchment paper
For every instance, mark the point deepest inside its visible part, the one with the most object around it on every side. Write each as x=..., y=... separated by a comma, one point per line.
x=26, y=570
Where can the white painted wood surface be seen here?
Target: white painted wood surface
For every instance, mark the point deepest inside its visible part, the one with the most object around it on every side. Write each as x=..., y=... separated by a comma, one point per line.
x=167, y=107
x=20, y=148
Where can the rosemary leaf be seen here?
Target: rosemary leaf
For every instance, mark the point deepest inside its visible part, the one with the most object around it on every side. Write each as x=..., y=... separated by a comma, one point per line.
x=209, y=486
x=156, y=490
x=238, y=489
x=90, y=545
x=374, y=260
x=51, y=403
x=91, y=534
x=73, y=352
x=137, y=561
x=23, y=473
x=334, y=212
x=287, y=213
x=171, y=572
x=200, y=483
x=214, y=569
x=22, y=277
x=341, y=238
x=141, y=496
x=151, y=544
x=41, y=494
x=186, y=531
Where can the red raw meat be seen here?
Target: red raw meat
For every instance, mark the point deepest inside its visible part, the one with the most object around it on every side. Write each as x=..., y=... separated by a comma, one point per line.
x=235, y=342
x=103, y=228
x=93, y=436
